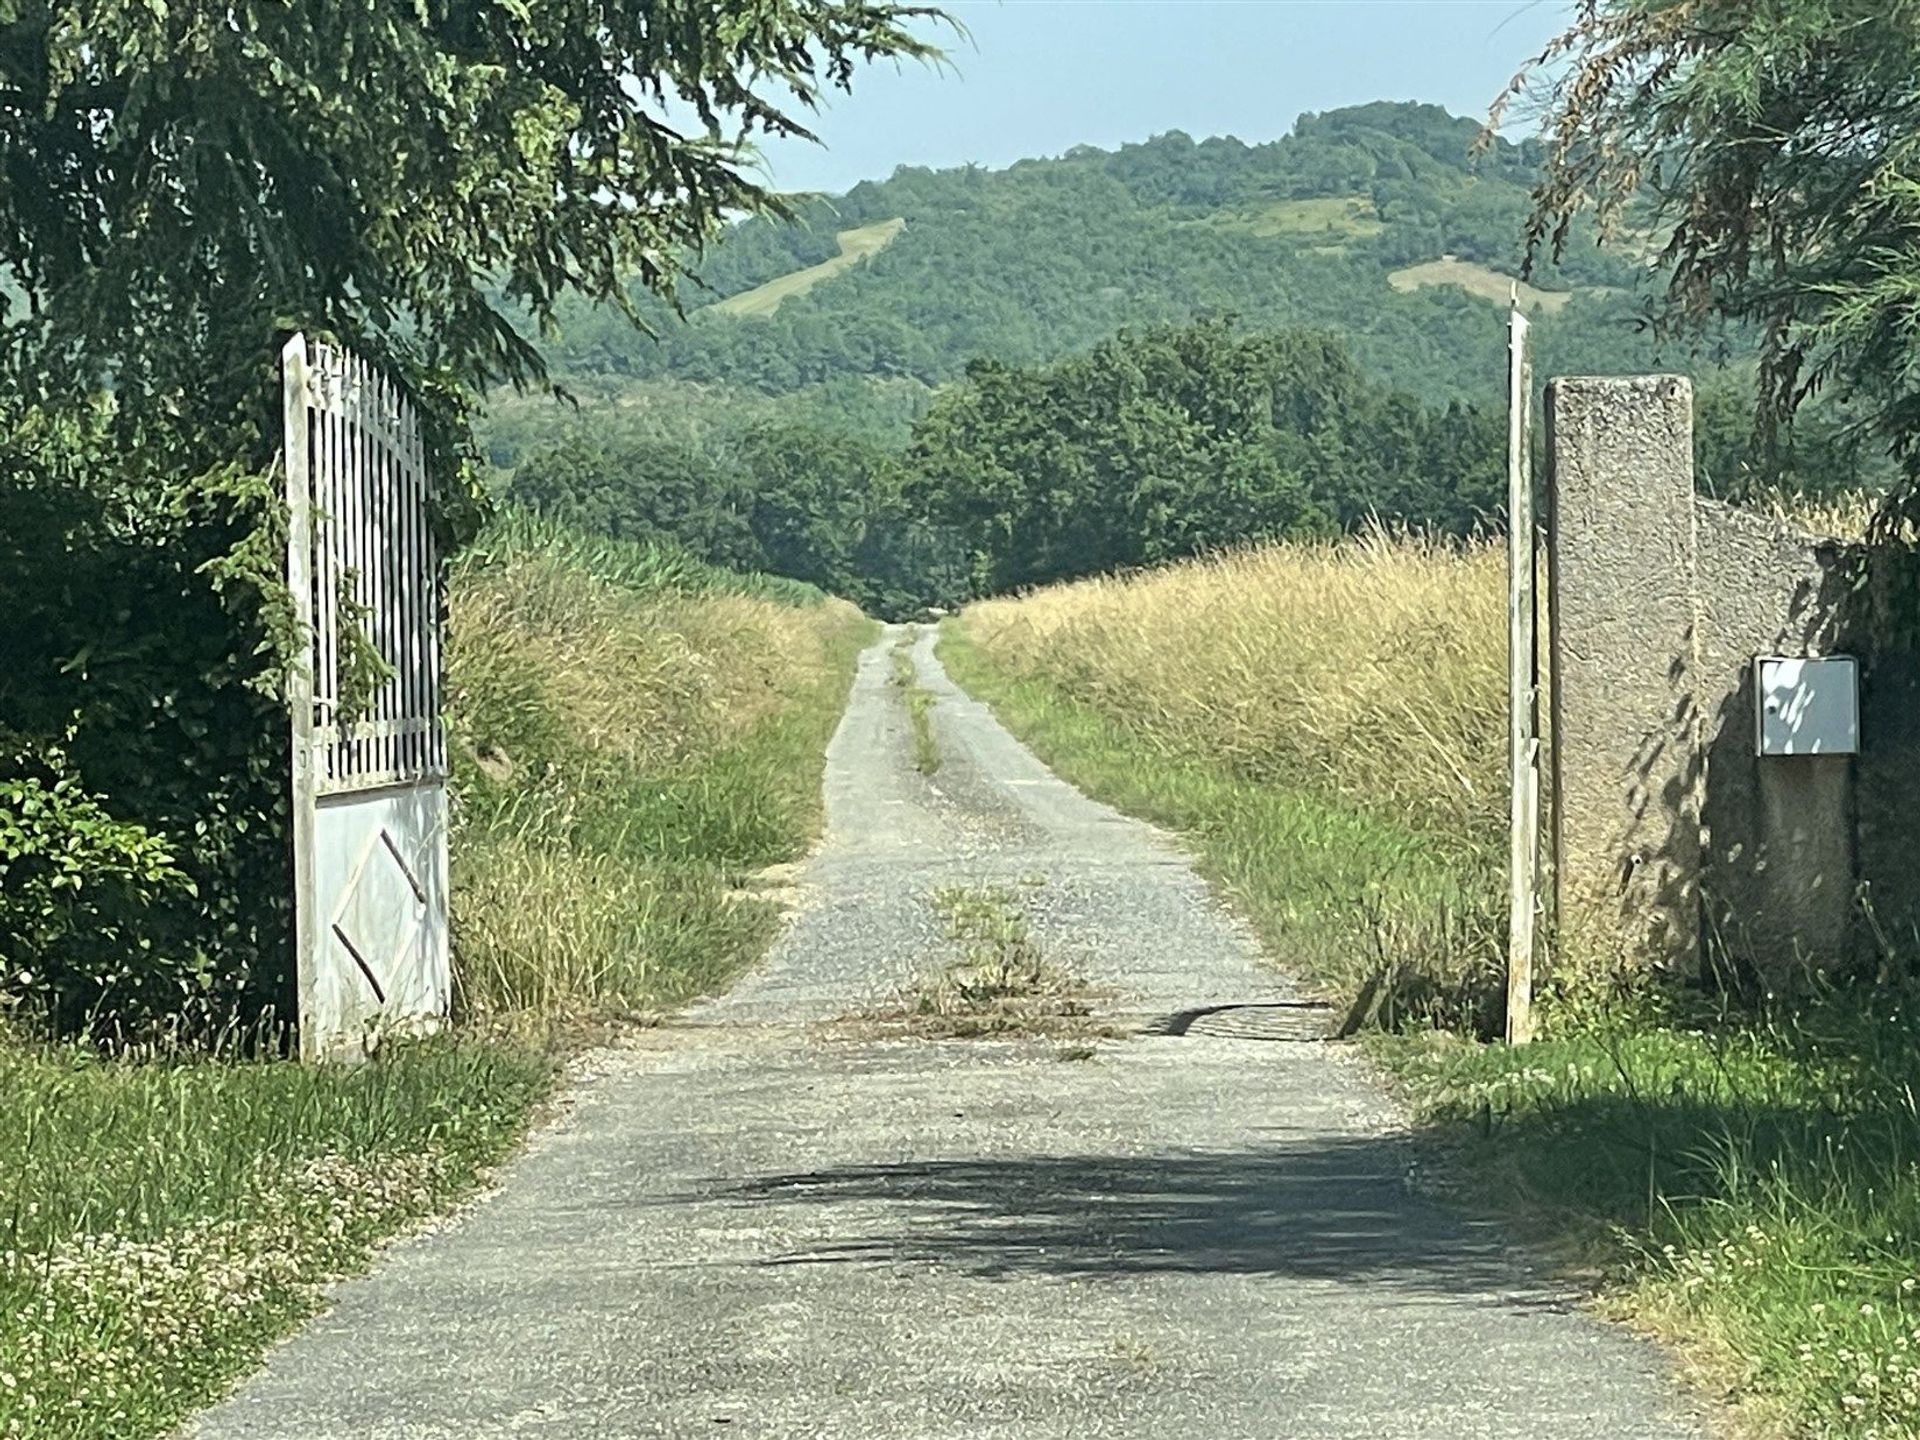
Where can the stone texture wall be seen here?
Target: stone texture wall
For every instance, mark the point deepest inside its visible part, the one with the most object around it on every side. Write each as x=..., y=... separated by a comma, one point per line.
x=1779, y=831
x=1625, y=758
x=1671, y=832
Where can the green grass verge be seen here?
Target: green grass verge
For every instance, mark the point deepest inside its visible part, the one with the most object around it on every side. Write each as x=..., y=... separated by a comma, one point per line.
x=1340, y=896
x=635, y=738
x=633, y=901
x=1746, y=1185
x=161, y=1223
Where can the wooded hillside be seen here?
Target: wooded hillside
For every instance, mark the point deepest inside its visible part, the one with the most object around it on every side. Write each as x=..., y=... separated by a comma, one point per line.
x=1050, y=256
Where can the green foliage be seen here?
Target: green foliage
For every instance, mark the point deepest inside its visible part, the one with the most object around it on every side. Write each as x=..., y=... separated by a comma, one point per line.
x=180, y=187
x=1155, y=444
x=1176, y=440
x=1750, y=1181
x=1049, y=257
x=822, y=507
x=1772, y=150
x=365, y=170
x=138, y=643
x=163, y=1223
x=74, y=883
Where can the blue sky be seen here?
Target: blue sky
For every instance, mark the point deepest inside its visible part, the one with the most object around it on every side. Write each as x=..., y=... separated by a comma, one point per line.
x=1036, y=77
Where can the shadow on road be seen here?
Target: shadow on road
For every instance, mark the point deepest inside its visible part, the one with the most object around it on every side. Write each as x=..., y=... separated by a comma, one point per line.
x=1332, y=1209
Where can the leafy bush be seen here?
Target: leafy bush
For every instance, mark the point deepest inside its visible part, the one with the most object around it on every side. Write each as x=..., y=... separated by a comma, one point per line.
x=75, y=884
x=141, y=640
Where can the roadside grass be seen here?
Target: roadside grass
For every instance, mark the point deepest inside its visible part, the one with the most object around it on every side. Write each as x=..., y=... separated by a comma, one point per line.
x=635, y=736
x=1744, y=1182
x=163, y=1221
x=919, y=703
x=1301, y=714
x=1746, y=1185
x=1001, y=985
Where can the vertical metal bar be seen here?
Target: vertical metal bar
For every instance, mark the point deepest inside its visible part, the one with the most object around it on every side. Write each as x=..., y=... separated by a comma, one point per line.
x=400, y=552
x=327, y=426
x=391, y=603
x=414, y=708
x=306, y=910
x=1522, y=687
x=354, y=536
x=367, y=446
x=432, y=587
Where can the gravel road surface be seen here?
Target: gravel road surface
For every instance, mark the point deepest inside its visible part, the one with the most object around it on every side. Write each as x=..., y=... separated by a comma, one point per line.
x=767, y=1220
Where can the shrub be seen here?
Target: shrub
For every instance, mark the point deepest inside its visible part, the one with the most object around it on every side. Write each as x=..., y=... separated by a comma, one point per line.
x=75, y=884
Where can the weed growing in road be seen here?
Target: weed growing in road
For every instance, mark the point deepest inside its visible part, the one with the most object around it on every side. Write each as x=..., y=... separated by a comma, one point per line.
x=162, y=1222
x=1001, y=985
x=919, y=702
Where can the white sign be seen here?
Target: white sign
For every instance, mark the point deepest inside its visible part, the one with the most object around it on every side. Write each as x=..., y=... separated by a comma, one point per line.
x=1807, y=707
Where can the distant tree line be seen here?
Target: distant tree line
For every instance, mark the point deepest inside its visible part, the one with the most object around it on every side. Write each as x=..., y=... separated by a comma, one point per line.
x=1155, y=444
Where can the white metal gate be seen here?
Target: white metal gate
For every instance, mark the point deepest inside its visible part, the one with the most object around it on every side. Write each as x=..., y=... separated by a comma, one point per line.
x=369, y=788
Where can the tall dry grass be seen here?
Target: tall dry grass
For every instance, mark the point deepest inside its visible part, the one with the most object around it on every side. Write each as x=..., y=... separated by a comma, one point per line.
x=1325, y=721
x=634, y=734
x=1373, y=668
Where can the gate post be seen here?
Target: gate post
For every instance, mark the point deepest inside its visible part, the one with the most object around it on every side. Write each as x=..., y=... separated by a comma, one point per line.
x=1627, y=755
x=295, y=403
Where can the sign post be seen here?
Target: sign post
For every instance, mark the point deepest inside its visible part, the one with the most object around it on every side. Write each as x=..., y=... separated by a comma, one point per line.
x=1523, y=721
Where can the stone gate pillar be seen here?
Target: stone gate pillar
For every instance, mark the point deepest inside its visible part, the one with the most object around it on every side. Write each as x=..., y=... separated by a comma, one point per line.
x=1627, y=757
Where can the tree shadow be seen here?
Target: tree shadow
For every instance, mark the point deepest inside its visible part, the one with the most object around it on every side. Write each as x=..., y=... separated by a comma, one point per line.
x=1337, y=1209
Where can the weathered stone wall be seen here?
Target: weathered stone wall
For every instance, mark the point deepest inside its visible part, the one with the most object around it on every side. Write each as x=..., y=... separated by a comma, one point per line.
x=1671, y=832
x=1779, y=861
x=1626, y=762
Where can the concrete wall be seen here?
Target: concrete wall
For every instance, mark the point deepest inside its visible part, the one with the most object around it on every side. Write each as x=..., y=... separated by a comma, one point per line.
x=1887, y=799
x=1626, y=763
x=1672, y=834
x=1779, y=830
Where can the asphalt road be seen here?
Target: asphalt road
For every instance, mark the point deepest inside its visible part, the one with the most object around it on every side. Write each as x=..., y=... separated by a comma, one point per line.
x=765, y=1221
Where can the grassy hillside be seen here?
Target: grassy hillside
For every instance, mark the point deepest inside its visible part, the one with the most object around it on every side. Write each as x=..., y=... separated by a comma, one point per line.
x=855, y=245
x=1481, y=280
x=1050, y=255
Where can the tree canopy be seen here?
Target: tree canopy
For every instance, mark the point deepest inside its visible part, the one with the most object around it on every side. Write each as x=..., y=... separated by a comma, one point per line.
x=1049, y=257
x=1768, y=151
x=1156, y=444
x=179, y=182
x=182, y=184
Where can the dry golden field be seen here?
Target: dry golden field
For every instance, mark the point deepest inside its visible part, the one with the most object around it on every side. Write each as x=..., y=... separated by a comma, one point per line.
x=1373, y=668
x=634, y=740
